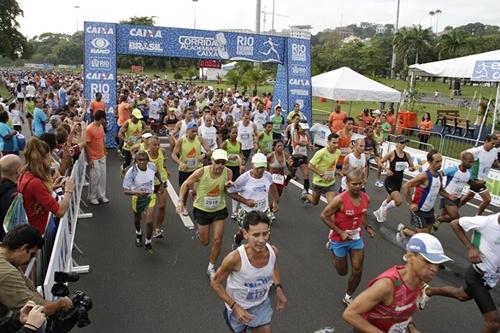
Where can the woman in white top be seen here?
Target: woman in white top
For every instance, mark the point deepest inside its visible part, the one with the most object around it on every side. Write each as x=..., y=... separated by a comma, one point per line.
x=247, y=135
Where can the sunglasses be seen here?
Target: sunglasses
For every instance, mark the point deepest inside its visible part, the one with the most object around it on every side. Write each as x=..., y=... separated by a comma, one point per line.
x=221, y=162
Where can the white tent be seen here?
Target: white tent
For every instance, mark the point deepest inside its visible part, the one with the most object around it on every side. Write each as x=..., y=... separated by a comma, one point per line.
x=346, y=84
x=457, y=67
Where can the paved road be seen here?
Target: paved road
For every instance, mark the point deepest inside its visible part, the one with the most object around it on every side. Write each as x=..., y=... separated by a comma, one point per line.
x=168, y=291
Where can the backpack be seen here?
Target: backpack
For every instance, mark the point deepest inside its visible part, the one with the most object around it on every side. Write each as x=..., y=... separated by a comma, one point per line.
x=16, y=214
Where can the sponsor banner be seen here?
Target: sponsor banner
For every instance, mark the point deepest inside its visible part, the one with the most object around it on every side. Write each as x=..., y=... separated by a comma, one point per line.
x=189, y=43
x=488, y=70
x=100, y=70
x=299, y=75
x=280, y=93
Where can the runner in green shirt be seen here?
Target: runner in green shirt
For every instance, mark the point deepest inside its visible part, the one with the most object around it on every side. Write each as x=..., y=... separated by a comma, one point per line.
x=266, y=139
x=323, y=166
x=386, y=127
x=278, y=123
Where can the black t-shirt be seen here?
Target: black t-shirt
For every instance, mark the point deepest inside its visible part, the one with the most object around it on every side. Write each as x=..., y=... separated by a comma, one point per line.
x=8, y=189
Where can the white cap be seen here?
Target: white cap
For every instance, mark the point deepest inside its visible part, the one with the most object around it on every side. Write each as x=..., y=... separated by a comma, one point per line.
x=259, y=160
x=428, y=247
x=147, y=135
x=377, y=112
x=219, y=154
x=236, y=95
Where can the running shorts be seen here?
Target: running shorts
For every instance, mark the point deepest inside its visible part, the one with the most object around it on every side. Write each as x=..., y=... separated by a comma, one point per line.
x=476, y=289
x=205, y=218
x=421, y=219
x=342, y=249
x=261, y=313
x=478, y=187
x=298, y=160
x=391, y=184
x=322, y=189
x=141, y=203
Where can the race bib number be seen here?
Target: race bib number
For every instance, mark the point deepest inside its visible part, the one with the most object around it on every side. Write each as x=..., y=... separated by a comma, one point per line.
x=490, y=279
x=211, y=202
x=401, y=327
x=278, y=179
x=245, y=136
x=329, y=174
x=260, y=205
x=269, y=146
x=256, y=294
x=354, y=234
x=190, y=163
x=302, y=150
x=276, y=126
x=233, y=157
x=344, y=151
x=401, y=166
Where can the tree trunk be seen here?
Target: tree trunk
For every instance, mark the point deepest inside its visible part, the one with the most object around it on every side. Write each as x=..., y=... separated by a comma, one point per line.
x=416, y=57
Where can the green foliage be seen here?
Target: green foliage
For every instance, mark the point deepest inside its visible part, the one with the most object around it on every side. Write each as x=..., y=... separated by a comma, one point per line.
x=177, y=76
x=255, y=77
x=140, y=20
x=13, y=44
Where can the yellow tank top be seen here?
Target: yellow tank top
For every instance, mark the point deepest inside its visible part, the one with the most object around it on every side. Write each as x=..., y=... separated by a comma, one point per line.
x=210, y=196
x=190, y=153
x=132, y=133
x=160, y=166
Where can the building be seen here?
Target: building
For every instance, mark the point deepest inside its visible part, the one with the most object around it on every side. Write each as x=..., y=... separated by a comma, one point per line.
x=344, y=32
x=380, y=29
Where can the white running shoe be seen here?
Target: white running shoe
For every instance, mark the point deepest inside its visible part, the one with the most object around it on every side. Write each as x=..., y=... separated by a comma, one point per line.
x=185, y=212
x=423, y=298
x=211, y=273
x=347, y=300
x=379, y=183
x=94, y=202
x=400, y=237
x=378, y=216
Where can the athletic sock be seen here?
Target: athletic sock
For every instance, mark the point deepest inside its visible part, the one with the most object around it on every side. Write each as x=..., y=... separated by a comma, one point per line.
x=390, y=205
x=306, y=185
x=210, y=266
x=138, y=233
x=234, y=206
x=148, y=241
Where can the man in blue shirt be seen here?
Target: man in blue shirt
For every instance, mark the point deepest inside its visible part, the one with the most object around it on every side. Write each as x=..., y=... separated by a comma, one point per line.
x=40, y=118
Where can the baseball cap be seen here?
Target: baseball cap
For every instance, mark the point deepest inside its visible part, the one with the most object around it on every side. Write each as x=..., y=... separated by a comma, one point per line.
x=191, y=125
x=259, y=160
x=402, y=139
x=239, y=102
x=377, y=112
x=428, y=247
x=147, y=135
x=219, y=154
x=137, y=113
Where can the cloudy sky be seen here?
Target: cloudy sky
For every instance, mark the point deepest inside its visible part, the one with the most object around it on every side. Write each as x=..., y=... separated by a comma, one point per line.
x=62, y=16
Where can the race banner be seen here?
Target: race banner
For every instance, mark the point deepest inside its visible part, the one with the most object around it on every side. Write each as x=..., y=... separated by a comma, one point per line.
x=299, y=75
x=100, y=70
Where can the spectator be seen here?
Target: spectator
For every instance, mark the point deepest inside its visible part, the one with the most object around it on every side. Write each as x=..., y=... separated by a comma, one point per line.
x=425, y=128
x=10, y=166
x=365, y=119
x=8, y=139
x=386, y=127
x=95, y=150
x=97, y=105
x=18, y=247
x=336, y=119
x=36, y=185
x=390, y=118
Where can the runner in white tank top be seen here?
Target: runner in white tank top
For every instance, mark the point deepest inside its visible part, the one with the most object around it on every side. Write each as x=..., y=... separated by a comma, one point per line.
x=251, y=270
x=356, y=159
x=246, y=134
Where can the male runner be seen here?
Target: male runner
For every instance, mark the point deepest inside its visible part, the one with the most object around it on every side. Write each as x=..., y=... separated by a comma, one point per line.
x=485, y=157
x=372, y=153
x=129, y=134
x=345, y=215
x=323, y=165
x=249, y=273
x=483, y=273
x=428, y=185
x=399, y=161
x=390, y=300
x=209, y=207
x=355, y=160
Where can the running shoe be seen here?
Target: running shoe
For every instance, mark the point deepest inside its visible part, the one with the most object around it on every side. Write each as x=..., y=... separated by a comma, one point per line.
x=303, y=196
x=273, y=217
x=326, y=330
x=211, y=273
x=436, y=224
x=185, y=212
x=347, y=300
x=138, y=240
x=400, y=237
x=234, y=216
x=423, y=298
x=104, y=200
x=158, y=233
x=94, y=202
x=379, y=183
x=149, y=248
x=378, y=215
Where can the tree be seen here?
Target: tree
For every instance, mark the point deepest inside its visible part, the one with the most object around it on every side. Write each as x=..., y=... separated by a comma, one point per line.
x=13, y=44
x=235, y=77
x=452, y=43
x=140, y=20
x=256, y=77
x=414, y=39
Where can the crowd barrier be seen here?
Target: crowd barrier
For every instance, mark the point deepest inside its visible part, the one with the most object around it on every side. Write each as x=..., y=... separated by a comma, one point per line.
x=446, y=145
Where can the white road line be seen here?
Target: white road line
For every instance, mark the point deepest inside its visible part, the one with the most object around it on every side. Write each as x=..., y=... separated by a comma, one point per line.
x=188, y=223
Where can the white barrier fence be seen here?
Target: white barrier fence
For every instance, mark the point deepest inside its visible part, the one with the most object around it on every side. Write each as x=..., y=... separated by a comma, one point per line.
x=61, y=257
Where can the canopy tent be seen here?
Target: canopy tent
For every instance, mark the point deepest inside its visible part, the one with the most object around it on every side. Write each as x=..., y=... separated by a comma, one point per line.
x=346, y=84
x=461, y=67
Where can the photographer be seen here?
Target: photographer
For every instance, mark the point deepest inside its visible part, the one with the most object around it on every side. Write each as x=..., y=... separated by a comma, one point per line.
x=28, y=320
x=19, y=246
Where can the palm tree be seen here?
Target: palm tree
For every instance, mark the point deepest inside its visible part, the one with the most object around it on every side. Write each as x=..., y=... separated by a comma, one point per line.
x=451, y=43
x=431, y=14
x=255, y=76
x=234, y=77
x=414, y=39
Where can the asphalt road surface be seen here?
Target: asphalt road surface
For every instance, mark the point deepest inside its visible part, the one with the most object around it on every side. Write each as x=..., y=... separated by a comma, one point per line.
x=168, y=291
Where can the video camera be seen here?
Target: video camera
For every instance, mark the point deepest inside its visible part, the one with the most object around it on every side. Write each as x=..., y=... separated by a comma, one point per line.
x=64, y=321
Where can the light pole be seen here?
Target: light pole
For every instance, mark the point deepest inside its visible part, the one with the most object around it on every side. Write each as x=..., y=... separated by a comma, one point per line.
x=272, y=21
x=393, y=62
x=76, y=7
x=194, y=3
x=257, y=17
x=437, y=12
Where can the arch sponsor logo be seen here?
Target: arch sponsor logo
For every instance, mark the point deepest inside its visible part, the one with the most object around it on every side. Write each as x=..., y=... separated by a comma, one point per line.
x=100, y=76
x=99, y=46
x=99, y=30
x=299, y=52
x=206, y=47
x=149, y=33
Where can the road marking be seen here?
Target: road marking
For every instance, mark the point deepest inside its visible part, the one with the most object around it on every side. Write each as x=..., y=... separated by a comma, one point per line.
x=299, y=185
x=188, y=223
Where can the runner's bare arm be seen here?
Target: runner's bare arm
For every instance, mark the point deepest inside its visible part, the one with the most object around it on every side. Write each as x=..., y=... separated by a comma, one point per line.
x=186, y=186
x=473, y=252
x=380, y=292
x=345, y=166
x=387, y=157
x=410, y=162
x=328, y=214
x=418, y=180
x=205, y=146
x=176, y=151
x=281, y=299
x=121, y=133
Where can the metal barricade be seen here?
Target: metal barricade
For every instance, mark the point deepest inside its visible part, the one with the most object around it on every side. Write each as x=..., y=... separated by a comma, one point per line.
x=452, y=145
x=418, y=141
x=320, y=116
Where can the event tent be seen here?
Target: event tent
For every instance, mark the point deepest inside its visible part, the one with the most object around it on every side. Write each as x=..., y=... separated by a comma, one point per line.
x=461, y=67
x=346, y=84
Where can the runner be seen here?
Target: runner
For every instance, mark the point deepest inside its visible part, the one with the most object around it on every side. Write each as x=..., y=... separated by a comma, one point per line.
x=260, y=117
x=485, y=157
x=187, y=154
x=169, y=122
x=277, y=161
x=300, y=143
x=265, y=139
x=249, y=273
x=483, y=273
x=129, y=134
x=390, y=300
x=235, y=162
x=372, y=153
x=278, y=122
x=253, y=189
x=323, y=165
x=456, y=179
x=355, y=160
x=157, y=156
x=345, y=141
x=399, y=161
x=181, y=127
x=290, y=131
x=208, y=133
x=209, y=207
x=247, y=135
x=139, y=183
x=345, y=215
x=428, y=185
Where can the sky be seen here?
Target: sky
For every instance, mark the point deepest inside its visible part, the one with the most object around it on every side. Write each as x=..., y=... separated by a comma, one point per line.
x=61, y=16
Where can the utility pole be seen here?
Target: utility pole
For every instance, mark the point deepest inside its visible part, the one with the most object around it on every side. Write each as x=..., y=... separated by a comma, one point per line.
x=272, y=21
x=257, y=17
x=393, y=62
x=194, y=3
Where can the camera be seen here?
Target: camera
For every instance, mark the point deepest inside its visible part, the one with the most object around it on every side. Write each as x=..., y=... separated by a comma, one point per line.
x=64, y=321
